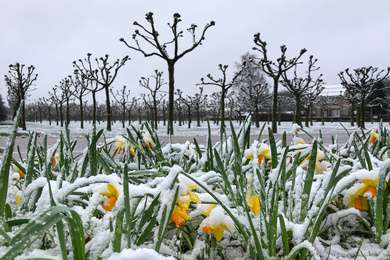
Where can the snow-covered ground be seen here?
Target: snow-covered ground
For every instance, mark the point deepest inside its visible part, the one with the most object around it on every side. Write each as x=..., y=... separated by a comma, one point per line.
x=53, y=130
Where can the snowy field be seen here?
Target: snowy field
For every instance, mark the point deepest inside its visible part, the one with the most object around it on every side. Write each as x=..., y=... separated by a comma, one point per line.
x=143, y=197
x=183, y=133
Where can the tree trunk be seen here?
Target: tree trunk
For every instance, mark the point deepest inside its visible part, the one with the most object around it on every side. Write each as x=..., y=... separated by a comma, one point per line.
x=24, y=116
x=123, y=115
x=155, y=113
x=67, y=112
x=61, y=115
x=108, y=104
x=275, y=106
x=81, y=112
x=94, y=108
x=298, y=116
x=171, y=70
x=223, y=94
x=352, y=115
x=363, y=113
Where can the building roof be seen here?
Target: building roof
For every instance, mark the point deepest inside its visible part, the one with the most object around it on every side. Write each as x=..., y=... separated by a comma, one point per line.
x=332, y=90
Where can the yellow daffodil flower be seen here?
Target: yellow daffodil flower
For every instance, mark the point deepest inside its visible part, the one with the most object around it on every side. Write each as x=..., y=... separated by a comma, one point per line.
x=54, y=162
x=148, y=140
x=216, y=222
x=358, y=198
x=252, y=199
x=17, y=170
x=261, y=152
x=369, y=186
x=373, y=136
x=112, y=194
x=179, y=216
x=185, y=193
x=120, y=143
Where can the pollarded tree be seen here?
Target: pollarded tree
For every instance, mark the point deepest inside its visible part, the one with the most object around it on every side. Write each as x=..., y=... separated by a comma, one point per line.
x=188, y=103
x=158, y=83
x=360, y=85
x=66, y=93
x=275, y=70
x=58, y=100
x=252, y=86
x=199, y=100
x=19, y=84
x=299, y=86
x=80, y=85
x=224, y=84
x=151, y=36
x=104, y=75
x=310, y=96
x=123, y=98
x=47, y=102
x=93, y=88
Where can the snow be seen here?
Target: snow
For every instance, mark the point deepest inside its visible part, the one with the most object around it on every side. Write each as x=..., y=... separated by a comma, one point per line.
x=139, y=254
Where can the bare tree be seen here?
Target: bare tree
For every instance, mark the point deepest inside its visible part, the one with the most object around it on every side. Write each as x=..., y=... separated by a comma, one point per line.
x=310, y=96
x=299, y=86
x=188, y=103
x=360, y=85
x=47, y=102
x=66, y=94
x=252, y=86
x=151, y=36
x=80, y=85
x=58, y=100
x=275, y=70
x=19, y=84
x=199, y=101
x=224, y=85
x=122, y=97
x=158, y=83
x=104, y=75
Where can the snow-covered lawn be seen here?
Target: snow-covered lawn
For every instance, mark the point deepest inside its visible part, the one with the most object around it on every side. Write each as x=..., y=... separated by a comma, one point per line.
x=126, y=196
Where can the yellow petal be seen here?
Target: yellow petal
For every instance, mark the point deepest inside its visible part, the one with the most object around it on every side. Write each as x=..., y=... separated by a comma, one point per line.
x=250, y=157
x=113, y=191
x=208, y=209
x=194, y=197
x=218, y=233
x=252, y=199
x=225, y=227
x=370, y=182
x=184, y=201
x=182, y=213
x=18, y=199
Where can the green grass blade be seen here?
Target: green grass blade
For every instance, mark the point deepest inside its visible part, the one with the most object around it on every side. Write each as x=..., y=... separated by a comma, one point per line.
x=308, y=182
x=6, y=164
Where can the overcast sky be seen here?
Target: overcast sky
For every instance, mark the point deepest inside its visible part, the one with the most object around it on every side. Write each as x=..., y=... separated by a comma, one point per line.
x=52, y=34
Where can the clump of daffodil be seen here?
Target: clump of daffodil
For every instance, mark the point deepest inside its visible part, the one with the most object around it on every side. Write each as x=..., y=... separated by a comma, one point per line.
x=217, y=221
x=185, y=195
x=121, y=142
x=259, y=151
x=252, y=199
x=148, y=140
x=321, y=165
x=179, y=216
x=357, y=196
x=111, y=193
x=373, y=136
x=17, y=170
x=184, y=198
